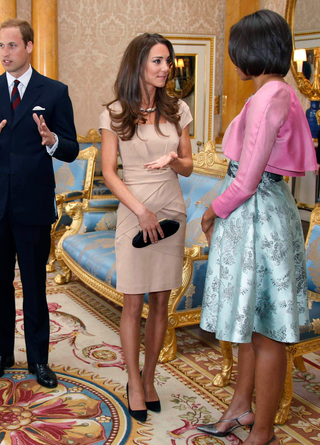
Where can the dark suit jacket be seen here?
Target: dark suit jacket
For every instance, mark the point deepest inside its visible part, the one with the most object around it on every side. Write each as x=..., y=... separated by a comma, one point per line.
x=26, y=172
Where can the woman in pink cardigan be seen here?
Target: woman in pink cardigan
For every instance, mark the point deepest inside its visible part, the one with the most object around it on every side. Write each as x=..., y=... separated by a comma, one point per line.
x=256, y=285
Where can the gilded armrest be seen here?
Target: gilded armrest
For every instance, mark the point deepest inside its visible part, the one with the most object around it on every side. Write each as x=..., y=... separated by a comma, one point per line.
x=75, y=211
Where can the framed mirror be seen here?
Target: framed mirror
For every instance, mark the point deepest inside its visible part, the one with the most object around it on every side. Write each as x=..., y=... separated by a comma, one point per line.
x=194, y=83
x=303, y=17
x=184, y=84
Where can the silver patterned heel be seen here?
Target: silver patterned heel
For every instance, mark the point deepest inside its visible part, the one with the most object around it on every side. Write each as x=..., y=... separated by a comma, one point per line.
x=211, y=428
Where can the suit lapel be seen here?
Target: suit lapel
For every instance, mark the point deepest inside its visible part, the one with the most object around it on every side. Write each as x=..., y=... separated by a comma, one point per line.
x=30, y=96
x=5, y=104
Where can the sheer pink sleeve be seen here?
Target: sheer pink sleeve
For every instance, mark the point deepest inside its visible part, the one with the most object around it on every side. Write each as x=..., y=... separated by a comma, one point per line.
x=266, y=114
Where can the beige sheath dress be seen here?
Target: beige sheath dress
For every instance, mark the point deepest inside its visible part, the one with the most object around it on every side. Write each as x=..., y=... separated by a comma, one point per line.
x=157, y=267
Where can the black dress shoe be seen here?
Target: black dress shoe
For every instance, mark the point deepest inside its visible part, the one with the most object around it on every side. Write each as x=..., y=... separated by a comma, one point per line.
x=153, y=406
x=6, y=362
x=45, y=377
x=140, y=415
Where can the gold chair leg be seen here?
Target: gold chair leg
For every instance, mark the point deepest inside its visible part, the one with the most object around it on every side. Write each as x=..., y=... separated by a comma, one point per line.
x=299, y=364
x=168, y=352
x=287, y=394
x=65, y=276
x=223, y=378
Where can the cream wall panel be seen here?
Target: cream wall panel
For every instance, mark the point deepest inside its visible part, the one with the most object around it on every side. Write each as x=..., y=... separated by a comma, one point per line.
x=94, y=33
x=280, y=7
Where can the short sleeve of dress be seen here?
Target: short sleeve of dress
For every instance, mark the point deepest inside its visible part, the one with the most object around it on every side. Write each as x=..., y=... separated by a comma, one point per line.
x=105, y=121
x=185, y=114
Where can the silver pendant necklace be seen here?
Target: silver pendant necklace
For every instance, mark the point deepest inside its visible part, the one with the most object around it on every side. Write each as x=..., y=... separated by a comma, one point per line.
x=148, y=110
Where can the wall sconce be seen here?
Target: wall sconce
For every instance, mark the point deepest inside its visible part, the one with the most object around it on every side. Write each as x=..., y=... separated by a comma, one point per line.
x=300, y=56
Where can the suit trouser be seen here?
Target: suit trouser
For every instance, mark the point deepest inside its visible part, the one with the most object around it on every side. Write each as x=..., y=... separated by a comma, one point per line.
x=31, y=244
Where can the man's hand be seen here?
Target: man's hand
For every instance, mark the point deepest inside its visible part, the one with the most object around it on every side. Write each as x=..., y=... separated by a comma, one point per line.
x=47, y=136
x=2, y=124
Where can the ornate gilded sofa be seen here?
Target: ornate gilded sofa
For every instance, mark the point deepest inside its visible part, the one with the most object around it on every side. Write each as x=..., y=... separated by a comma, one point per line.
x=99, y=190
x=74, y=181
x=87, y=248
x=309, y=335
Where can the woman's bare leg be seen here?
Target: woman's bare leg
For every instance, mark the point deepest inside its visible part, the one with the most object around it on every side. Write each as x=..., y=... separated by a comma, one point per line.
x=241, y=401
x=155, y=330
x=270, y=376
x=130, y=334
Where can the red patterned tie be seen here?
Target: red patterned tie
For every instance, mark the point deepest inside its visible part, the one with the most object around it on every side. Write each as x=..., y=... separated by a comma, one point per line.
x=15, y=96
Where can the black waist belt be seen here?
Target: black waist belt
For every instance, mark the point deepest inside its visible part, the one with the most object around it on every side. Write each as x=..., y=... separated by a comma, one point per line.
x=232, y=167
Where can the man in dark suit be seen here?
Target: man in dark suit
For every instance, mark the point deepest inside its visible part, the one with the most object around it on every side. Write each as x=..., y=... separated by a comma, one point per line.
x=36, y=123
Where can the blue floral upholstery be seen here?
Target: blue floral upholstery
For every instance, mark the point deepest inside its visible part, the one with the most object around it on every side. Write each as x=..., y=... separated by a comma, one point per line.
x=94, y=252
x=99, y=187
x=313, y=260
x=199, y=187
x=313, y=274
x=194, y=234
x=70, y=177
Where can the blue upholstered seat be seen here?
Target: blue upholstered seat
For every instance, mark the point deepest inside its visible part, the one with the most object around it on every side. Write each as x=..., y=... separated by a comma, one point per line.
x=95, y=253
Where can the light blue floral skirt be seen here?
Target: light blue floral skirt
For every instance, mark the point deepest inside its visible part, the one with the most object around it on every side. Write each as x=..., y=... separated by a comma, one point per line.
x=256, y=278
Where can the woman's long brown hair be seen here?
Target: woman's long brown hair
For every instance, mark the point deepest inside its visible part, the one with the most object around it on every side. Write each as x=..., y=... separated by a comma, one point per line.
x=128, y=91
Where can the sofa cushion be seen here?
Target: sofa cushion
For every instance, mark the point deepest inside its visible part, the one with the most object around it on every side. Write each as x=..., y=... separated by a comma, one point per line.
x=95, y=253
x=313, y=260
x=99, y=187
x=69, y=176
x=194, y=234
x=201, y=188
x=98, y=221
x=313, y=329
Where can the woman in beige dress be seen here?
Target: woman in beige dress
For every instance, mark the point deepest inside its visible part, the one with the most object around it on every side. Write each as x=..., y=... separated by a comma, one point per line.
x=151, y=131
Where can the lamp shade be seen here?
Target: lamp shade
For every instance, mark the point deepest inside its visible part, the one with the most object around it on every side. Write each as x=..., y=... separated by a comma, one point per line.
x=300, y=55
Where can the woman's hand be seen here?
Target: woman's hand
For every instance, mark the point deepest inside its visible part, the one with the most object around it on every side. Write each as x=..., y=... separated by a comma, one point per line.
x=209, y=233
x=207, y=223
x=150, y=226
x=208, y=219
x=162, y=161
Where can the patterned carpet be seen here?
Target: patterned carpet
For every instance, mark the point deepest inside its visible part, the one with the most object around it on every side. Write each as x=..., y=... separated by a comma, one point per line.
x=90, y=406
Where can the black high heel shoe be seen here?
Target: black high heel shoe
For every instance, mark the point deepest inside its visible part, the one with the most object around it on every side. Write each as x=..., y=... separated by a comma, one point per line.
x=211, y=429
x=153, y=406
x=140, y=415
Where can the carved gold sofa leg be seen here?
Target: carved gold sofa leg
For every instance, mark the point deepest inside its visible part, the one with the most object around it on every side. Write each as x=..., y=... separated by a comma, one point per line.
x=168, y=352
x=223, y=379
x=287, y=394
x=65, y=276
x=299, y=364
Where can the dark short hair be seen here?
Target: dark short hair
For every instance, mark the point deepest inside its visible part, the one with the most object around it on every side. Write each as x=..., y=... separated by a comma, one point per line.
x=261, y=43
x=24, y=26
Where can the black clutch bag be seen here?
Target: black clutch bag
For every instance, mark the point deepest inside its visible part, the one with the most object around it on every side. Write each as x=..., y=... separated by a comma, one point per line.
x=168, y=227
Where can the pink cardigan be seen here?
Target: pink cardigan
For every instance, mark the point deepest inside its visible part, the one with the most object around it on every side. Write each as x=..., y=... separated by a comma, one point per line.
x=270, y=134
